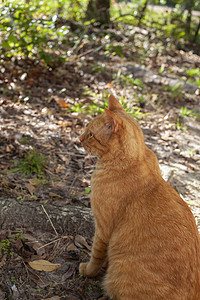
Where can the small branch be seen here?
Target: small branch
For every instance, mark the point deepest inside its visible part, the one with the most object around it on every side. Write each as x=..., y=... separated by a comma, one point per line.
x=90, y=51
x=71, y=186
x=49, y=220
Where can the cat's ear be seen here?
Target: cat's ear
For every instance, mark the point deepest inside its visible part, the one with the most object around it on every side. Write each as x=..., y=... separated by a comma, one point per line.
x=112, y=121
x=113, y=103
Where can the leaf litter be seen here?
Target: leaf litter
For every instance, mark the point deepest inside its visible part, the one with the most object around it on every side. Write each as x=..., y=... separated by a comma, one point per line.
x=46, y=109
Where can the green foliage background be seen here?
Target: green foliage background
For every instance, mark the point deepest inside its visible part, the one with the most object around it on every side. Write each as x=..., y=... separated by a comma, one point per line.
x=43, y=29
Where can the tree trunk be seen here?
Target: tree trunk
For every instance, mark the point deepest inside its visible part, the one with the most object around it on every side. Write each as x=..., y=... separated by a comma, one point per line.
x=99, y=10
x=189, y=16
x=30, y=215
x=142, y=12
x=196, y=32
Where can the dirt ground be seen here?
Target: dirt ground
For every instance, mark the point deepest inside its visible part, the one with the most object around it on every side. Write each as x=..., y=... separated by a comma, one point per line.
x=43, y=110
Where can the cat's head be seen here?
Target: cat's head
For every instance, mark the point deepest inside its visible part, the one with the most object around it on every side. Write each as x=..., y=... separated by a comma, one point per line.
x=113, y=134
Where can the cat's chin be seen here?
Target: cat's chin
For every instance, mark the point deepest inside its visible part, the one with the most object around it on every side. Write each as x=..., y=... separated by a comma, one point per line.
x=88, y=149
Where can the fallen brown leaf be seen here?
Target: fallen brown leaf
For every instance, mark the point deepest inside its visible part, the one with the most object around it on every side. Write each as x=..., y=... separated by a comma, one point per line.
x=54, y=195
x=43, y=265
x=3, y=261
x=71, y=247
x=80, y=241
x=19, y=244
x=30, y=188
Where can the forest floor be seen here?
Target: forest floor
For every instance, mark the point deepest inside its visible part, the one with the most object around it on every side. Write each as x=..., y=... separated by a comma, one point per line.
x=43, y=111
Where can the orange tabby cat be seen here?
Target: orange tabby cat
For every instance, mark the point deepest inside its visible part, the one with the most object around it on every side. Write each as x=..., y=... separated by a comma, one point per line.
x=143, y=229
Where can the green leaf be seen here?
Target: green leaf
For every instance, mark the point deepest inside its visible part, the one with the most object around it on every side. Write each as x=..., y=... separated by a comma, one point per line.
x=87, y=190
x=6, y=45
x=193, y=72
x=181, y=34
x=118, y=50
x=12, y=38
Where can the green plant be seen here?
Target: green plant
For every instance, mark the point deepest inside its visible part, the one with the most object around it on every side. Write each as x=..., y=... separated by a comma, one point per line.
x=188, y=153
x=87, y=190
x=128, y=79
x=98, y=67
x=141, y=100
x=180, y=125
x=116, y=77
x=19, y=235
x=162, y=68
x=196, y=81
x=133, y=110
x=136, y=112
x=25, y=140
x=193, y=72
x=136, y=82
x=21, y=197
x=113, y=50
x=5, y=247
x=185, y=113
x=175, y=90
x=25, y=32
x=93, y=107
x=33, y=163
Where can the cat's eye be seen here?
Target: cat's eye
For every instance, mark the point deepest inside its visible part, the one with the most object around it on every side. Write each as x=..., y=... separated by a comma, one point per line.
x=90, y=134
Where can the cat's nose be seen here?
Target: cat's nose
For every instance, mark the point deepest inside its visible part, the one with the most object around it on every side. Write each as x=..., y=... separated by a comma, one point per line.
x=81, y=138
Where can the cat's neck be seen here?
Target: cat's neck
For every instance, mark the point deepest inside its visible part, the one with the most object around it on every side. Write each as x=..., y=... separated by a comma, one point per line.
x=144, y=174
x=147, y=160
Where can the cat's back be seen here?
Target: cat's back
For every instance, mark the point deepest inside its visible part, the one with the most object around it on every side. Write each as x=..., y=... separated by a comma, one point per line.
x=157, y=243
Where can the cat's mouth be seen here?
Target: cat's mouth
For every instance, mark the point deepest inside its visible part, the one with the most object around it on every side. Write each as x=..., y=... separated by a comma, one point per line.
x=87, y=148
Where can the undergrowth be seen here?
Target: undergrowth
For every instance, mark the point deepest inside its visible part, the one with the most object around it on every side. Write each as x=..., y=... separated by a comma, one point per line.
x=33, y=163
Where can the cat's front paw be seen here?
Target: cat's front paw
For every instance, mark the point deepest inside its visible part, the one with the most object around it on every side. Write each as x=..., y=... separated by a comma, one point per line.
x=82, y=269
x=88, y=270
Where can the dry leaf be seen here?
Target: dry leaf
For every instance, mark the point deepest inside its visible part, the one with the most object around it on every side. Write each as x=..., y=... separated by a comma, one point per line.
x=71, y=247
x=30, y=188
x=59, y=169
x=43, y=265
x=109, y=84
x=62, y=103
x=9, y=148
x=54, y=195
x=34, y=73
x=3, y=261
x=38, y=247
x=19, y=244
x=65, y=124
x=84, y=183
x=64, y=158
x=80, y=241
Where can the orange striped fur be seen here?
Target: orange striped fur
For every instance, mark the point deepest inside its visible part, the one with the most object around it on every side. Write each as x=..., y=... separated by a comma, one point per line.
x=143, y=229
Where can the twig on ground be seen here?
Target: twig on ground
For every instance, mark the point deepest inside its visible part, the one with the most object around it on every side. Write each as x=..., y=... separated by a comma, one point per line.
x=49, y=220
x=58, y=251
x=43, y=246
x=71, y=186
